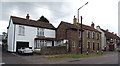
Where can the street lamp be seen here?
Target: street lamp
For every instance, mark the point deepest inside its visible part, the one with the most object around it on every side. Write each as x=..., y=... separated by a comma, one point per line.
x=81, y=24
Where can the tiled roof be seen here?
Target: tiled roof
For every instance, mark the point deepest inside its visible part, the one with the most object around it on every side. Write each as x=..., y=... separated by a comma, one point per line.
x=110, y=35
x=75, y=27
x=22, y=21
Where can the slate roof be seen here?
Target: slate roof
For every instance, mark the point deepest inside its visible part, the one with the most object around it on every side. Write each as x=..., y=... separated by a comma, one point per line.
x=23, y=21
x=86, y=27
x=110, y=35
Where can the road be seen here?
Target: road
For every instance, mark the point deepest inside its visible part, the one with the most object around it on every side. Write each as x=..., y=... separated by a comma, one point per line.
x=13, y=58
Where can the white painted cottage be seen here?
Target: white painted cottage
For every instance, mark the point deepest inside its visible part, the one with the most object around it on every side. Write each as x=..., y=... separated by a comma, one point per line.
x=24, y=32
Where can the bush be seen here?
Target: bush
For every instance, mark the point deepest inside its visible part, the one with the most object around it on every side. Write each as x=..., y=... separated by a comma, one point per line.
x=63, y=44
x=37, y=51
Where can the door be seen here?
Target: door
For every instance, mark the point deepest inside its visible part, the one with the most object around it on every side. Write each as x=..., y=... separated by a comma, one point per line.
x=21, y=44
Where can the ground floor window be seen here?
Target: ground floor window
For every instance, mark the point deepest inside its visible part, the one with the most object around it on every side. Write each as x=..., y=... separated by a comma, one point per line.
x=73, y=44
x=88, y=46
x=93, y=46
x=98, y=46
x=40, y=43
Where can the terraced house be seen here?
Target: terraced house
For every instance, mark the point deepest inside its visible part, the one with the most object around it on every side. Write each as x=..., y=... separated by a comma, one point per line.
x=110, y=40
x=71, y=35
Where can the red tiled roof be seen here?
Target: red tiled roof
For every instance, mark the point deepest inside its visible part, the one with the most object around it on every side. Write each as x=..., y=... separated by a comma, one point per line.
x=84, y=26
x=22, y=21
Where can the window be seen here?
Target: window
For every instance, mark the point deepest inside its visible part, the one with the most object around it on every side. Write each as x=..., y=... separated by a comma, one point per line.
x=40, y=43
x=98, y=46
x=79, y=34
x=73, y=44
x=21, y=30
x=93, y=35
x=40, y=32
x=93, y=46
x=88, y=46
x=88, y=34
x=98, y=36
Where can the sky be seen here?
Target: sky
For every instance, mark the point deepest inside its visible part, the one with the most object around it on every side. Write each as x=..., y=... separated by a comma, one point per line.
x=102, y=12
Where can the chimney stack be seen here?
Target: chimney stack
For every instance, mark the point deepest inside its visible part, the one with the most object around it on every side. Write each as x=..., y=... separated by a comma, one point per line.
x=27, y=17
x=112, y=32
x=75, y=21
x=107, y=30
x=92, y=25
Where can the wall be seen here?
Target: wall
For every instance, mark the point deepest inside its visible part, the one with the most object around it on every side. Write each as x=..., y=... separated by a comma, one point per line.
x=30, y=34
x=51, y=50
x=10, y=36
x=103, y=38
x=49, y=33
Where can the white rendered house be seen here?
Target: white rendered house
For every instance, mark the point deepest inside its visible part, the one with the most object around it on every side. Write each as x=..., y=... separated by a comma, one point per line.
x=103, y=38
x=29, y=33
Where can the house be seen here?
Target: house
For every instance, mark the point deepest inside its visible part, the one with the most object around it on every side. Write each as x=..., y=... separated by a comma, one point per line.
x=71, y=35
x=109, y=39
x=24, y=32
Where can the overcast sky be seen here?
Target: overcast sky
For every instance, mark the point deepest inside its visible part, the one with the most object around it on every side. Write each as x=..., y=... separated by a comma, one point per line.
x=102, y=12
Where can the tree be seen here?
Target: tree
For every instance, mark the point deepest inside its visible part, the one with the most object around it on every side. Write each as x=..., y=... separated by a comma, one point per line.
x=4, y=39
x=43, y=19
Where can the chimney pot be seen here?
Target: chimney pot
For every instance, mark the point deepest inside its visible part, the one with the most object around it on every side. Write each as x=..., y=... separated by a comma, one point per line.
x=92, y=25
x=27, y=17
x=75, y=20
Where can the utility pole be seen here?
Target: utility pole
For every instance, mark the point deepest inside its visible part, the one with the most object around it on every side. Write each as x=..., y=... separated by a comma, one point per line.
x=81, y=27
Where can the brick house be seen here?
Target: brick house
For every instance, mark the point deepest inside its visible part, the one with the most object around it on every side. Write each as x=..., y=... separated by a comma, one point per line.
x=71, y=35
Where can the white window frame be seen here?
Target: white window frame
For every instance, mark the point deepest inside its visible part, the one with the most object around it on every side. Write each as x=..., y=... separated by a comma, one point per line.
x=40, y=32
x=21, y=30
x=73, y=44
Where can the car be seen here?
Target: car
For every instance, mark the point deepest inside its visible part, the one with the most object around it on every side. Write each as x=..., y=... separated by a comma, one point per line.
x=25, y=50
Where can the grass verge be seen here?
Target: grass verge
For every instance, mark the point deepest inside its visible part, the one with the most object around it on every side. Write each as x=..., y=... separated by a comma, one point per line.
x=78, y=55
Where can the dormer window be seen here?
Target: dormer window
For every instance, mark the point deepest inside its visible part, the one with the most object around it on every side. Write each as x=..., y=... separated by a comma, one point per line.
x=21, y=30
x=40, y=32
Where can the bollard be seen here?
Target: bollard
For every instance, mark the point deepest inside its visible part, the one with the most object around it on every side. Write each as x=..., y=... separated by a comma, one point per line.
x=87, y=53
x=97, y=51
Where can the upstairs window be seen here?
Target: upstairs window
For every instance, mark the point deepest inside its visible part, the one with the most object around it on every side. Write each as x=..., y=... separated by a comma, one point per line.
x=21, y=30
x=88, y=35
x=40, y=32
x=79, y=34
x=93, y=35
x=98, y=36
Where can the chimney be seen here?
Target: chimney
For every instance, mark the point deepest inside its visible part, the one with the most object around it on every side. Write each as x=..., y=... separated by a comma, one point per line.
x=92, y=25
x=107, y=30
x=27, y=17
x=112, y=32
x=98, y=27
x=75, y=20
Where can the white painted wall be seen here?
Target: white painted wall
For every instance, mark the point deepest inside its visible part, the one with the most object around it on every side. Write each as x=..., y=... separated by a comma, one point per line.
x=10, y=36
x=103, y=38
x=30, y=35
x=49, y=33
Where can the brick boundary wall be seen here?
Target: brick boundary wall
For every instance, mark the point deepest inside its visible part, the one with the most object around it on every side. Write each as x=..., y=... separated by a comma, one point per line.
x=51, y=50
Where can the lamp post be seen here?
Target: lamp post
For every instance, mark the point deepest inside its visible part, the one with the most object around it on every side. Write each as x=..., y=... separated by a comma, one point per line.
x=81, y=25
